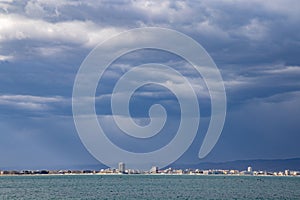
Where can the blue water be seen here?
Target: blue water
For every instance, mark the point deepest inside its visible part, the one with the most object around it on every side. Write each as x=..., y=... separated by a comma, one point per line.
x=148, y=187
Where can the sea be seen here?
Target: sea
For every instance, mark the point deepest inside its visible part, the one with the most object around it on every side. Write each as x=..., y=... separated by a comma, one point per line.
x=148, y=187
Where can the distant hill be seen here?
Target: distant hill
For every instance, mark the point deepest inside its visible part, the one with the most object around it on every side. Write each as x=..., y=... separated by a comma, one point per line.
x=260, y=164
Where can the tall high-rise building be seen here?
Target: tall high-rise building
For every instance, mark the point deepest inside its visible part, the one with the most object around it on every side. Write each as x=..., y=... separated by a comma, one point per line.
x=154, y=170
x=249, y=169
x=287, y=172
x=122, y=167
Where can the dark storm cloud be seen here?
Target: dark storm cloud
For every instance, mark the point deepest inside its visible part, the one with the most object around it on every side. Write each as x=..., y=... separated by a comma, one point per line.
x=255, y=44
x=234, y=32
x=261, y=82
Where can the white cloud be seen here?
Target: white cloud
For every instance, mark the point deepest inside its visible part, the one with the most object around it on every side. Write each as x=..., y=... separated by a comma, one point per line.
x=254, y=30
x=169, y=11
x=288, y=7
x=5, y=58
x=34, y=9
x=55, y=3
x=29, y=102
x=278, y=98
x=51, y=51
x=284, y=70
x=85, y=33
x=6, y=1
x=208, y=29
x=5, y=5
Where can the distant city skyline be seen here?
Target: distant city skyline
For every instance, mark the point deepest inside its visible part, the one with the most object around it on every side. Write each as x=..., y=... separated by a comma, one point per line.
x=43, y=43
x=121, y=170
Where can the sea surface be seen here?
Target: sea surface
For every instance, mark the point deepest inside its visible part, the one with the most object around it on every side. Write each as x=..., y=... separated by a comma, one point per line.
x=148, y=187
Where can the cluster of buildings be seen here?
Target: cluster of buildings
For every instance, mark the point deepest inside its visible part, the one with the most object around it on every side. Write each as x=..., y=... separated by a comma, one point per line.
x=155, y=170
x=248, y=172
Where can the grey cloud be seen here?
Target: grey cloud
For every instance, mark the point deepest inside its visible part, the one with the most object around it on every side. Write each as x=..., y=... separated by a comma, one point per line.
x=264, y=31
x=263, y=82
x=255, y=44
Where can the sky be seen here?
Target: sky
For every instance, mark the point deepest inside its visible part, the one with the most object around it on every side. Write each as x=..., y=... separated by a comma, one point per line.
x=255, y=45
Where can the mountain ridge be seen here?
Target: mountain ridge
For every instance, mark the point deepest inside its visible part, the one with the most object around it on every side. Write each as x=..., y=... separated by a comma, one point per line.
x=256, y=164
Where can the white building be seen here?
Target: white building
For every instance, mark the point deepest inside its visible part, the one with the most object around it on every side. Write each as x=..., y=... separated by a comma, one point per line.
x=154, y=170
x=287, y=172
x=122, y=167
x=249, y=169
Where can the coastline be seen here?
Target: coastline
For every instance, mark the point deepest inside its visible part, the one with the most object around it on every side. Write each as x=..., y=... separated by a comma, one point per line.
x=98, y=174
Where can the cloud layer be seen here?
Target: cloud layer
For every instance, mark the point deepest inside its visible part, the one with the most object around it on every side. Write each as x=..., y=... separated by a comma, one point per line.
x=255, y=44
